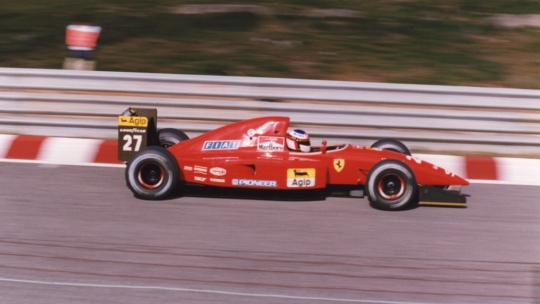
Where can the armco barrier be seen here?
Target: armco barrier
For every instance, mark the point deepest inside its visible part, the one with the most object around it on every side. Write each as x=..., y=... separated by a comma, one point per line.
x=77, y=151
x=458, y=120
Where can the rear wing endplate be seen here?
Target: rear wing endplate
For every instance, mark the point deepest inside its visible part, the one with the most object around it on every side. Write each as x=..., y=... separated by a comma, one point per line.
x=137, y=128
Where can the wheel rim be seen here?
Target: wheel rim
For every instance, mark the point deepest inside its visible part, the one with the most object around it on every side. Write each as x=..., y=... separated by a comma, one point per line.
x=151, y=175
x=391, y=186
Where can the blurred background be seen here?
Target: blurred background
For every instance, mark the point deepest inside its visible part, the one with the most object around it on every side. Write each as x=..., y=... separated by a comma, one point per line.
x=474, y=43
x=75, y=234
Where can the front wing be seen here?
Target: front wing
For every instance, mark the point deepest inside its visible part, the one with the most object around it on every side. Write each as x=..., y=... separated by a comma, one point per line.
x=434, y=196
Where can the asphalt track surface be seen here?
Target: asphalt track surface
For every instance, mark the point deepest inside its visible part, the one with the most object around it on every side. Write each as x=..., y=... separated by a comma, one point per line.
x=74, y=234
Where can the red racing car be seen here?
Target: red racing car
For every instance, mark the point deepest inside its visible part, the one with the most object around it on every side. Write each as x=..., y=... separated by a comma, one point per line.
x=262, y=153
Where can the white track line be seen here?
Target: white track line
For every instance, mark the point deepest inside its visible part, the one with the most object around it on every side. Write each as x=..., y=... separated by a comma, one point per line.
x=5, y=143
x=504, y=182
x=41, y=162
x=230, y=293
x=68, y=150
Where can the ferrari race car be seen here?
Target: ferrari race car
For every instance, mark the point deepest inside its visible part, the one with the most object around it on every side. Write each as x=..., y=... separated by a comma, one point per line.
x=262, y=153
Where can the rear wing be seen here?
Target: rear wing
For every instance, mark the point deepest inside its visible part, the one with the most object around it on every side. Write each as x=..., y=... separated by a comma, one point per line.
x=137, y=128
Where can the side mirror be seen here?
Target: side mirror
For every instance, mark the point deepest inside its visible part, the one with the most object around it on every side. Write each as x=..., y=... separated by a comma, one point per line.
x=323, y=147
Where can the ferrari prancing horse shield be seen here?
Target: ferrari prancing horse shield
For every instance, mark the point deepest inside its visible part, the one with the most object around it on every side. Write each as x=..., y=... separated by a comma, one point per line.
x=339, y=163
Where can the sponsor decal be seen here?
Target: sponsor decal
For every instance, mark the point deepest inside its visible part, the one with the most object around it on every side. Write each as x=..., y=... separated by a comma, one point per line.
x=200, y=170
x=132, y=121
x=270, y=143
x=132, y=130
x=339, y=164
x=200, y=179
x=304, y=177
x=188, y=168
x=221, y=145
x=270, y=158
x=217, y=180
x=418, y=161
x=262, y=129
x=217, y=171
x=254, y=182
x=445, y=171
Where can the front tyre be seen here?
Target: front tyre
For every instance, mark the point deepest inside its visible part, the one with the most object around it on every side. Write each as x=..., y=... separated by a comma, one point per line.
x=152, y=173
x=391, y=185
x=391, y=145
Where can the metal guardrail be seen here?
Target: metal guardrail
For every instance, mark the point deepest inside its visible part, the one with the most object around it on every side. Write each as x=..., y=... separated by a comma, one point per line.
x=427, y=118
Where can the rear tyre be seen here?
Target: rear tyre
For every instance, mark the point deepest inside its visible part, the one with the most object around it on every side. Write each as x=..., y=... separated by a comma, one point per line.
x=391, y=185
x=169, y=137
x=391, y=145
x=152, y=173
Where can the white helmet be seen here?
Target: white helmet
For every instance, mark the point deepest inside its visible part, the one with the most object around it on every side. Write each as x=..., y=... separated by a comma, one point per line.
x=298, y=140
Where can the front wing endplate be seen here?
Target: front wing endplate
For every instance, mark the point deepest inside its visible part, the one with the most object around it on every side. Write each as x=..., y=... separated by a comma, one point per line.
x=433, y=196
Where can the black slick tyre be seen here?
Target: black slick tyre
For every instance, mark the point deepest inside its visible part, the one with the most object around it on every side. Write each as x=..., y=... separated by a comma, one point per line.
x=169, y=137
x=392, y=145
x=152, y=173
x=391, y=185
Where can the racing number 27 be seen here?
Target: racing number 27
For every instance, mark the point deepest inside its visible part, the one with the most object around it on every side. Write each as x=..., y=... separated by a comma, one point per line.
x=130, y=140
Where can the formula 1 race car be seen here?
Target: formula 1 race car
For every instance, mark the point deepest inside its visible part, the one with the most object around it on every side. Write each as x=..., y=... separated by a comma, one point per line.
x=261, y=153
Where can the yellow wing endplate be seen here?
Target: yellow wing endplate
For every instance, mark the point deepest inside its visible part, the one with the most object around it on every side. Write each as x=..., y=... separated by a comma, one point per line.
x=137, y=128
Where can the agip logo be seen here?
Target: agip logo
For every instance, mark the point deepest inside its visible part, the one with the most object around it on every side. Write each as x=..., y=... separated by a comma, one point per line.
x=132, y=121
x=301, y=177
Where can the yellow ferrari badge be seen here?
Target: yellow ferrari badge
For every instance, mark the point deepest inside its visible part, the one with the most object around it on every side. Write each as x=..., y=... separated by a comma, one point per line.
x=339, y=163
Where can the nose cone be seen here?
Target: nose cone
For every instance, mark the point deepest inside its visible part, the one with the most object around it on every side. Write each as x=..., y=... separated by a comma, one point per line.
x=429, y=174
x=433, y=175
x=458, y=180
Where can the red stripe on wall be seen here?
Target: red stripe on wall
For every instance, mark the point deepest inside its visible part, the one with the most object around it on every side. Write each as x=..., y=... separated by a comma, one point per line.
x=108, y=153
x=481, y=168
x=25, y=147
